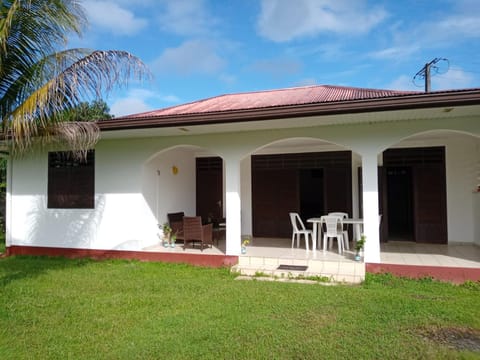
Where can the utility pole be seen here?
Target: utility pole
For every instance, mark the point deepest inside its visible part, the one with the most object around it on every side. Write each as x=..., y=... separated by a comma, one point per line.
x=426, y=72
x=427, y=76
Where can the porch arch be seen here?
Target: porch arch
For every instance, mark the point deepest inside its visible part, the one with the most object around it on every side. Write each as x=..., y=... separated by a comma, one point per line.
x=169, y=181
x=462, y=178
x=296, y=146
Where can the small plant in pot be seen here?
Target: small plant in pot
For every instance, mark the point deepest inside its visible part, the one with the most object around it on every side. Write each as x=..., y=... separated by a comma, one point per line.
x=173, y=239
x=245, y=242
x=359, y=246
x=167, y=232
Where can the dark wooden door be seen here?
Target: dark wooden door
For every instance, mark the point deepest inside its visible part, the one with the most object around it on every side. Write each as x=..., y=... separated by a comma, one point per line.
x=209, y=187
x=382, y=203
x=338, y=189
x=282, y=183
x=275, y=194
x=429, y=190
x=429, y=204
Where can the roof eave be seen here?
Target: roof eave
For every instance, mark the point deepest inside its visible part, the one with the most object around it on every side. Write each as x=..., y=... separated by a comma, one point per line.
x=404, y=102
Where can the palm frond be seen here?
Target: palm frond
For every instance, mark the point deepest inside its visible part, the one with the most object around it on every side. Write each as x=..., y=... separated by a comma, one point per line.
x=37, y=81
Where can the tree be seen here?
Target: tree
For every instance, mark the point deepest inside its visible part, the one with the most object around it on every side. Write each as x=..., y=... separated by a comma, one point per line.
x=97, y=110
x=40, y=79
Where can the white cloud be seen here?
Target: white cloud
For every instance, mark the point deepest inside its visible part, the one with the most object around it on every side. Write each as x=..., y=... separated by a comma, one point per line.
x=404, y=82
x=127, y=106
x=447, y=30
x=460, y=23
x=194, y=56
x=464, y=25
x=278, y=67
x=186, y=17
x=143, y=3
x=110, y=16
x=455, y=78
x=394, y=52
x=137, y=100
x=284, y=20
x=228, y=79
x=307, y=82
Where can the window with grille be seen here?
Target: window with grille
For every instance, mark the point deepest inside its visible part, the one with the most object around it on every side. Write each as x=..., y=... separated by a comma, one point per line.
x=71, y=180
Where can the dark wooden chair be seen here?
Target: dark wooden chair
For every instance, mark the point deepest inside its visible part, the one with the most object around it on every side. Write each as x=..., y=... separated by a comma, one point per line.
x=194, y=231
x=175, y=220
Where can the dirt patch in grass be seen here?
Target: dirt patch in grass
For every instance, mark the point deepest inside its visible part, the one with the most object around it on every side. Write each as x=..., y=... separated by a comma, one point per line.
x=455, y=338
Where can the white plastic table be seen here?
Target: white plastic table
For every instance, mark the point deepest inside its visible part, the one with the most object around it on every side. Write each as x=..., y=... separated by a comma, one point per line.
x=356, y=223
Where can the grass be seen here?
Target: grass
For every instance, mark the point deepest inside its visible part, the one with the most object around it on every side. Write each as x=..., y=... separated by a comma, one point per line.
x=53, y=308
x=2, y=242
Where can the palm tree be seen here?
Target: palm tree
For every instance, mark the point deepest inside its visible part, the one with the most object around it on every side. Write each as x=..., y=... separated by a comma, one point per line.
x=40, y=79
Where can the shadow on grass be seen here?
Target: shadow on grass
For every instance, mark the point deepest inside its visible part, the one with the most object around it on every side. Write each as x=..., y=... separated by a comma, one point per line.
x=14, y=268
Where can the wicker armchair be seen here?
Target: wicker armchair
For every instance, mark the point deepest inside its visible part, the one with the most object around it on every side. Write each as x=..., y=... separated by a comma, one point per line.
x=175, y=221
x=194, y=231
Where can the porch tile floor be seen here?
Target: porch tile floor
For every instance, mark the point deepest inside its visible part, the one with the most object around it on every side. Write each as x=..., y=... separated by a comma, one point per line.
x=410, y=253
x=265, y=255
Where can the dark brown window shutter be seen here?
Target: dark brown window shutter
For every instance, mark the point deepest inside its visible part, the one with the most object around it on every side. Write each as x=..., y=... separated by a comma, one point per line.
x=71, y=181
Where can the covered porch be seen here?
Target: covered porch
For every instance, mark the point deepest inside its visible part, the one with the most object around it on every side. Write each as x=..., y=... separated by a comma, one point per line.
x=425, y=189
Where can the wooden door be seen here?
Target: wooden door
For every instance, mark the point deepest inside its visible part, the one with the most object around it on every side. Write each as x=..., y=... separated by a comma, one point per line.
x=429, y=203
x=275, y=194
x=276, y=188
x=338, y=189
x=209, y=185
x=429, y=190
x=382, y=203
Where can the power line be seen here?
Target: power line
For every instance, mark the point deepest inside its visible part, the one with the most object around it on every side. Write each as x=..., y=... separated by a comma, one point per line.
x=426, y=71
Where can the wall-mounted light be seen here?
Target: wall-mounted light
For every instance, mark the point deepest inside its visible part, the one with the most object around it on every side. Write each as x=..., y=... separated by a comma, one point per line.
x=174, y=170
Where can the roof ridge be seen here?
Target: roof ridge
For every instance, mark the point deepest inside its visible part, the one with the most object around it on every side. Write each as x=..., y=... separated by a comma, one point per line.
x=263, y=98
x=305, y=87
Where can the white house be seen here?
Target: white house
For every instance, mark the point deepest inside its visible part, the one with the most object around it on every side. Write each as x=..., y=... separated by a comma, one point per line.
x=253, y=157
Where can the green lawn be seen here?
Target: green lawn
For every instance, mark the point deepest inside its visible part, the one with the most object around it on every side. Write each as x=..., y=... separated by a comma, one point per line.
x=82, y=309
x=2, y=242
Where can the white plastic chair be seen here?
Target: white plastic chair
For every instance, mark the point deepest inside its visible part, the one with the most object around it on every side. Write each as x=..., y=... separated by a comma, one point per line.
x=344, y=228
x=332, y=230
x=299, y=230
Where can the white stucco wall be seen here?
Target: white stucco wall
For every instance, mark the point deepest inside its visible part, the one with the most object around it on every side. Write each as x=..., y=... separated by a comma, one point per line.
x=131, y=198
x=158, y=176
x=476, y=196
x=476, y=210
x=246, y=195
x=461, y=161
x=31, y=223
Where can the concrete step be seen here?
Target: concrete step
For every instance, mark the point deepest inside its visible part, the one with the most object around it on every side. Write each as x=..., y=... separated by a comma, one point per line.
x=325, y=271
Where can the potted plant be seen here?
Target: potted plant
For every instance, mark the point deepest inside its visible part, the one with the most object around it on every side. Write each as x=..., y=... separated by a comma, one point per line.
x=359, y=246
x=245, y=242
x=173, y=239
x=167, y=231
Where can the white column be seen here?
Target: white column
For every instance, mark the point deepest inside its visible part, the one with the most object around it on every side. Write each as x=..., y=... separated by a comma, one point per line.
x=233, y=206
x=370, y=208
x=8, y=204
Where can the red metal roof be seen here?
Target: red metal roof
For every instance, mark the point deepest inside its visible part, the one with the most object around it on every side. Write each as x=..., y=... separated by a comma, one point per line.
x=272, y=98
x=290, y=103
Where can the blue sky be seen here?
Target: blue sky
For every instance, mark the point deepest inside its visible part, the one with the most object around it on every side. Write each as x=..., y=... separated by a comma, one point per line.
x=202, y=48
